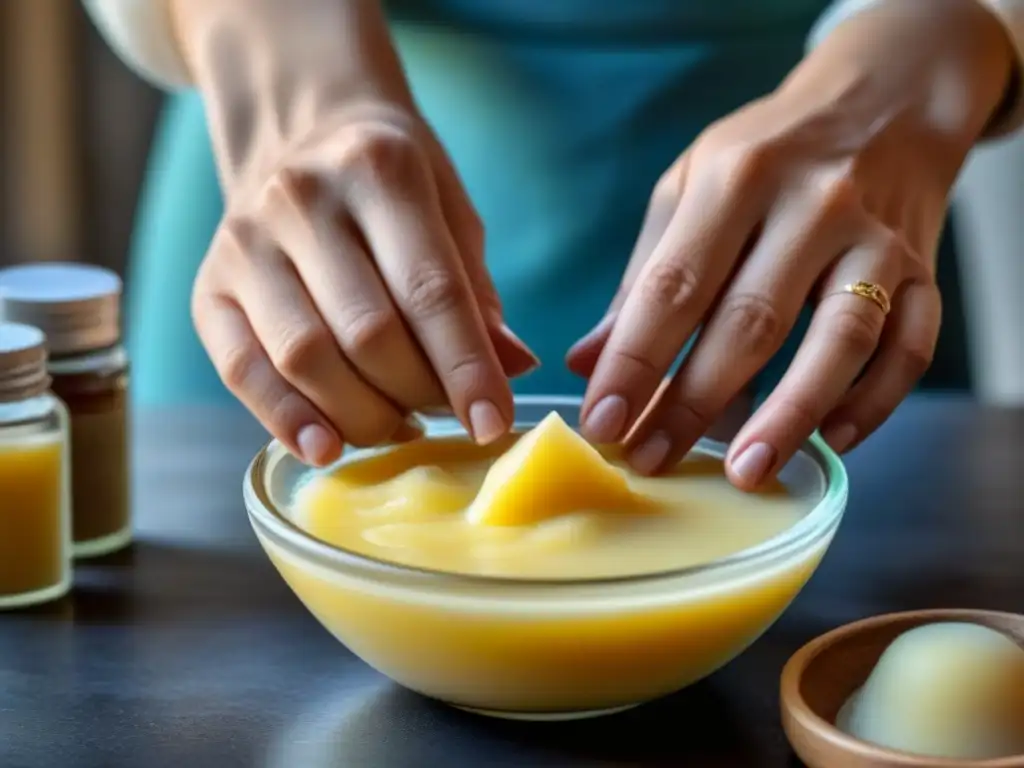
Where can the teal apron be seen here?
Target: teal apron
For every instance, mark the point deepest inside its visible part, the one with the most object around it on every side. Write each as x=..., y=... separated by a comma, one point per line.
x=560, y=117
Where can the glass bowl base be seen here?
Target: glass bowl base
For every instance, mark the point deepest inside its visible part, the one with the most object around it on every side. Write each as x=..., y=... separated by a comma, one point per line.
x=546, y=717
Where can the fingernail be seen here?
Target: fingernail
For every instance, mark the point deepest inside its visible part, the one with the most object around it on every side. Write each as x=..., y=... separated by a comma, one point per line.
x=516, y=358
x=523, y=363
x=317, y=445
x=410, y=429
x=486, y=422
x=840, y=437
x=648, y=457
x=754, y=463
x=439, y=411
x=509, y=334
x=606, y=420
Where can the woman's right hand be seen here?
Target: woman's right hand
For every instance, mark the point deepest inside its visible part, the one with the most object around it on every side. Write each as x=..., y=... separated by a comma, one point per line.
x=345, y=288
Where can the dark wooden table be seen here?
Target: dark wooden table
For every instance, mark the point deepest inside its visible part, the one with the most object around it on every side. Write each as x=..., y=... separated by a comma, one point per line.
x=190, y=651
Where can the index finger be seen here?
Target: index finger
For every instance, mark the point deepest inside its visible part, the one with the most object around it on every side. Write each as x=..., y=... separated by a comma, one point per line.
x=717, y=214
x=400, y=213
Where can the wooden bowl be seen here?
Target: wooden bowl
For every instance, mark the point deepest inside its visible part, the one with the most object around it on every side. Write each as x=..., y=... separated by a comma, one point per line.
x=823, y=674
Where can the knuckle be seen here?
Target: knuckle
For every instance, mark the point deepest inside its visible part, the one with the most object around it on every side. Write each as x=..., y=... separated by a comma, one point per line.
x=199, y=302
x=839, y=194
x=237, y=366
x=433, y=292
x=205, y=290
x=858, y=331
x=239, y=244
x=749, y=164
x=669, y=186
x=753, y=323
x=382, y=156
x=895, y=248
x=365, y=331
x=238, y=235
x=918, y=358
x=669, y=284
x=298, y=350
x=290, y=188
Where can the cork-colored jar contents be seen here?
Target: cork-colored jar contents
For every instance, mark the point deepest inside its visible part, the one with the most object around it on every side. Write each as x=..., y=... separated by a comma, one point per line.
x=97, y=402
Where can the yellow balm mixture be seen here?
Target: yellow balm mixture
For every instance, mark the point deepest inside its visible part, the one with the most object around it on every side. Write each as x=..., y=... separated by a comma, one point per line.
x=543, y=505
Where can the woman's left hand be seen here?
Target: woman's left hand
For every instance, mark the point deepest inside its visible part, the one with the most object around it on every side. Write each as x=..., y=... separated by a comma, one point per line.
x=836, y=182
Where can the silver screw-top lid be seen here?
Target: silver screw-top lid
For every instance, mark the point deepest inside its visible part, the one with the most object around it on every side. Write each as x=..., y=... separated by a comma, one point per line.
x=77, y=306
x=22, y=362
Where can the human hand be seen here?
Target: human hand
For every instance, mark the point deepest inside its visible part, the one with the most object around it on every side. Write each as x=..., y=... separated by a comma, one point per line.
x=839, y=177
x=345, y=288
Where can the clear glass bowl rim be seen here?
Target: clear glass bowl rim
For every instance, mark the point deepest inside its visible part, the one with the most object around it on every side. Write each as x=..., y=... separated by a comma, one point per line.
x=819, y=522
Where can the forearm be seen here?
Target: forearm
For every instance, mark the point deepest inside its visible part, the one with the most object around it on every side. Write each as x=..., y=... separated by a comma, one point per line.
x=945, y=63
x=281, y=66
x=345, y=42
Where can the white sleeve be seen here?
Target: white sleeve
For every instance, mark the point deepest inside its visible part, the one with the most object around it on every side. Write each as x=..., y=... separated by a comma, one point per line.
x=141, y=33
x=1010, y=12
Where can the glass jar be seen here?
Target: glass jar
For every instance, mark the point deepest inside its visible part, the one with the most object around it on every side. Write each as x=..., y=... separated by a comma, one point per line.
x=35, y=530
x=77, y=306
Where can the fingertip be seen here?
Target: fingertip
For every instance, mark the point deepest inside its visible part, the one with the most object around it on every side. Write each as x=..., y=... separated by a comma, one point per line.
x=508, y=335
x=410, y=429
x=751, y=466
x=840, y=436
x=318, y=445
x=515, y=357
x=486, y=422
x=650, y=455
x=582, y=358
x=607, y=420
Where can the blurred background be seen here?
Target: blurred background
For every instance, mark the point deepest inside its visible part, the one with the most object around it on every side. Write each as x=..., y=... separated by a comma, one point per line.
x=73, y=140
x=76, y=128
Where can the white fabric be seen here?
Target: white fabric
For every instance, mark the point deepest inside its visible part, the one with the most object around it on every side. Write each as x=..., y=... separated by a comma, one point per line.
x=141, y=33
x=1010, y=12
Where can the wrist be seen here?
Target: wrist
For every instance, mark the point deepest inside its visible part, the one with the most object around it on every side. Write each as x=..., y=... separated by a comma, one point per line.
x=940, y=67
x=273, y=71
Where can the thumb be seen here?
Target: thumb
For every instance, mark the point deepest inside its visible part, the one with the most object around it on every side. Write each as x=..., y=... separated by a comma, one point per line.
x=582, y=356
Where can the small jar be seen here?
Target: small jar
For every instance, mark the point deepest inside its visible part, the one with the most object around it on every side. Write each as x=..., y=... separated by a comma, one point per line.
x=35, y=520
x=77, y=307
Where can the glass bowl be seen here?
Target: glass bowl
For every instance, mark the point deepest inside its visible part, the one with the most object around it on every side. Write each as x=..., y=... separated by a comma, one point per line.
x=546, y=649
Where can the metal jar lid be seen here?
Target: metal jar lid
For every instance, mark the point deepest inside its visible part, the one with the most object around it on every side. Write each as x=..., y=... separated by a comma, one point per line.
x=22, y=362
x=77, y=306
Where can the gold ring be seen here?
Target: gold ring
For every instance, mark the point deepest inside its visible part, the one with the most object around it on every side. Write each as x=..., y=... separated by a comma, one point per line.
x=871, y=292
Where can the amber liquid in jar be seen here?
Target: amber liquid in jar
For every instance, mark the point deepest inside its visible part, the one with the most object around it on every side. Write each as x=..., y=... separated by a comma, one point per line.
x=95, y=390
x=35, y=561
x=31, y=515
